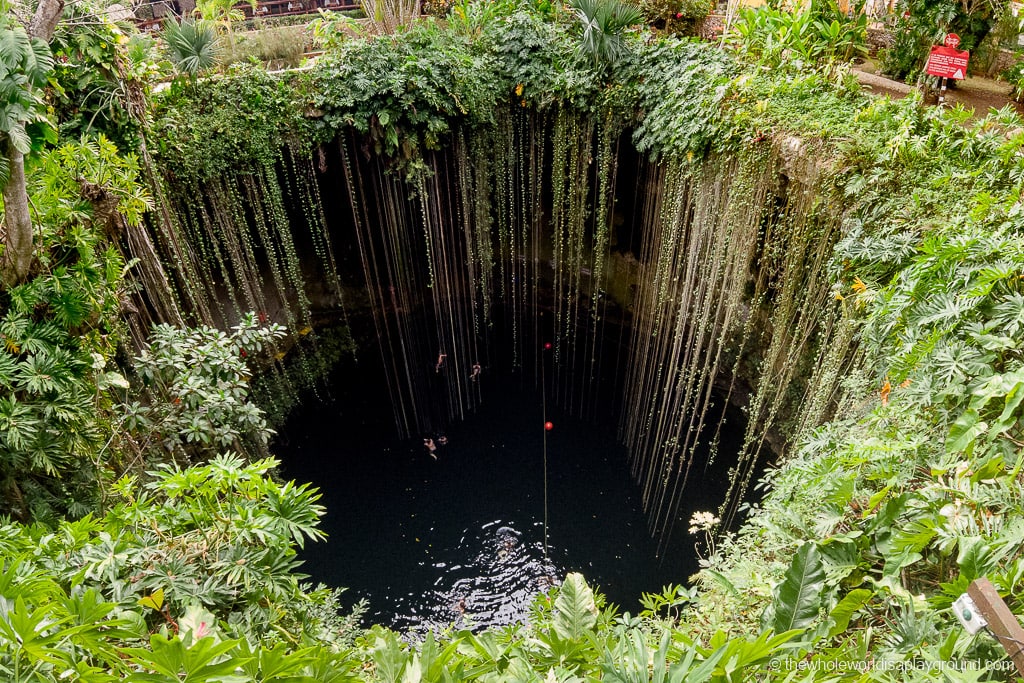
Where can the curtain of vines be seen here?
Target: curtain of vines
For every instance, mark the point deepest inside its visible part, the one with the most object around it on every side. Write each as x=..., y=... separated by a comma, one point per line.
x=503, y=246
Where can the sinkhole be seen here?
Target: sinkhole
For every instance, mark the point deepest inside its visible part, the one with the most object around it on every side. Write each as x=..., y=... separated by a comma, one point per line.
x=638, y=303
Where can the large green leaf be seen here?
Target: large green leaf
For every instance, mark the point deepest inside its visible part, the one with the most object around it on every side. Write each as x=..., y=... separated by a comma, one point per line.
x=975, y=557
x=575, y=609
x=843, y=612
x=798, y=597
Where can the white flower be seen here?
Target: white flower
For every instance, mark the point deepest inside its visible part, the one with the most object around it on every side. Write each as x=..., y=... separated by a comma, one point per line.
x=703, y=522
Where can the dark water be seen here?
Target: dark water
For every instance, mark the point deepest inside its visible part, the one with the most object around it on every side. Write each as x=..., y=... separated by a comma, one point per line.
x=461, y=539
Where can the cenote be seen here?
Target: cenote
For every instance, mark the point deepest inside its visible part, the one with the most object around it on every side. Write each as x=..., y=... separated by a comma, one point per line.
x=460, y=539
x=549, y=249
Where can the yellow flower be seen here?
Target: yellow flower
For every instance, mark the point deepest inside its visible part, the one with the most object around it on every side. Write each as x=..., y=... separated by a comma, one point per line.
x=519, y=90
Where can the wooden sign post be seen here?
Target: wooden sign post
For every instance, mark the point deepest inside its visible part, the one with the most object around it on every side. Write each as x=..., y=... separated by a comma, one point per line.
x=1001, y=622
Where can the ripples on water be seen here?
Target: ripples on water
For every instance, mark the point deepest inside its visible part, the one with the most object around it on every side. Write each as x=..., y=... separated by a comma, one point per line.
x=491, y=578
x=416, y=537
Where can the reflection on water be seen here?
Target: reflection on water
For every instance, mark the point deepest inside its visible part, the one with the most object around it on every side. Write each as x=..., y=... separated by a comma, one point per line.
x=460, y=539
x=488, y=578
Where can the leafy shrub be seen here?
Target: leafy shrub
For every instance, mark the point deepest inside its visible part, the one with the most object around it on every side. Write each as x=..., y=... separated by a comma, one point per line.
x=59, y=330
x=192, y=573
x=196, y=386
x=674, y=14
x=1015, y=77
x=820, y=34
x=279, y=47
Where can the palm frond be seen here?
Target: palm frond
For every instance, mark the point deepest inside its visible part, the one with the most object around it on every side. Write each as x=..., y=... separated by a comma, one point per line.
x=193, y=46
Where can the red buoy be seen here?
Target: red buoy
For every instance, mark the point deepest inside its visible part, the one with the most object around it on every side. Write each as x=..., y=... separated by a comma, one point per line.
x=549, y=426
x=547, y=346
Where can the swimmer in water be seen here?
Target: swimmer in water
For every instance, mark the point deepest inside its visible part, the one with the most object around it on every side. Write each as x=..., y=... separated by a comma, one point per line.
x=431, y=447
x=476, y=372
x=442, y=440
x=461, y=607
x=440, y=361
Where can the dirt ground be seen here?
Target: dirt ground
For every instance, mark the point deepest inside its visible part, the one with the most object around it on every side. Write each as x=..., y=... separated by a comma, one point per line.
x=979, y=94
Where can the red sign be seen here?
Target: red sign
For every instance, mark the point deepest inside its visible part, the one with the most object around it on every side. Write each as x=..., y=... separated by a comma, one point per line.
x=952, y=40
x=945, y=62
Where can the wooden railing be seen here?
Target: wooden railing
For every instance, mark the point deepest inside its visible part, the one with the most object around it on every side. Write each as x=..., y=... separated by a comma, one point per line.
x=271, y=8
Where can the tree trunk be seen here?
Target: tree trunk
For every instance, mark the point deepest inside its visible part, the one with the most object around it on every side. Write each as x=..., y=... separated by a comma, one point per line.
x=18, y=251
x=44, y=21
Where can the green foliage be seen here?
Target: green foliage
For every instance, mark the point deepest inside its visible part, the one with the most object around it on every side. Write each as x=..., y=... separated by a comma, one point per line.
x=910, y=493
x=914, y=35
x=191, y=575
x=58, y=332
x=575, y=609
x=817, y=34
x=685, y=86
x=798, y=598
x=916, y=25
x=196, y=385
x=234, y=122
x=602, y=23
x=192, y=45
x=91, y=183
x=1015, y=77
x=100, y=77
x=405, y=95
x=471, y=19
x=25, y=65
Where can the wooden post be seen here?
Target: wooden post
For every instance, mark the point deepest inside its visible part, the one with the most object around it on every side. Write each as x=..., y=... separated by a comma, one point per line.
x=1001, y=621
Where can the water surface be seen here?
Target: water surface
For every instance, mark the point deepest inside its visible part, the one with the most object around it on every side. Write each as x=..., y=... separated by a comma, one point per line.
x=460, y=539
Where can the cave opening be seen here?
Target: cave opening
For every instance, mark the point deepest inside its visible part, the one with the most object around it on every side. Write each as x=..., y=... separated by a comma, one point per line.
x=645, y=295
x=461, y=538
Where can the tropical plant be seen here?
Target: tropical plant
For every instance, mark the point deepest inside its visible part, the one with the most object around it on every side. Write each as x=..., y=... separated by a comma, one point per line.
x=195, y=388
x=192, y=45
x=223, y=13
x=25, y=64
x=1015, y=77
x=470, y=18
x=388, y=16
x=191, y=575
x=818, y=34
x=602, y=23
x=60, y=328
x=101, y=73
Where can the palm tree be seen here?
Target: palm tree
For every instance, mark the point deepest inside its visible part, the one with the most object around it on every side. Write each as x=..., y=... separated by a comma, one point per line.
x=193, y=46
x=603, y=22
x=226, y=14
